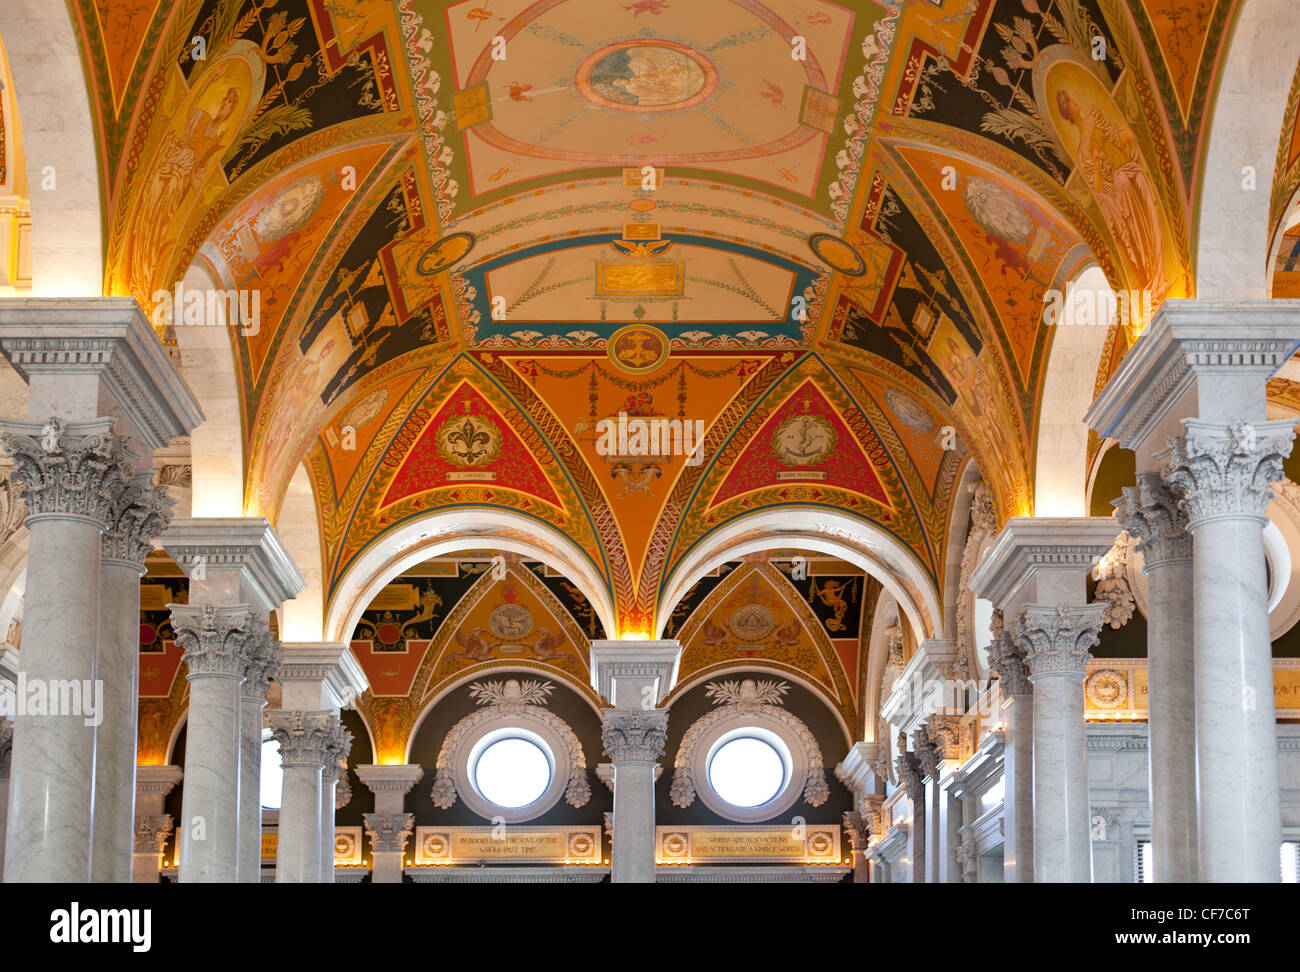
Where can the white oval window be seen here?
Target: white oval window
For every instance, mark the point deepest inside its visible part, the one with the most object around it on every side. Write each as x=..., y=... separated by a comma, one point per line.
x=747, y=771
x=512, y=772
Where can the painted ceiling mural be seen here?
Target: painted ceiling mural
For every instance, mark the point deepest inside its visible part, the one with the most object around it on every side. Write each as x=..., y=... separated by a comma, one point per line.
x=480, y=232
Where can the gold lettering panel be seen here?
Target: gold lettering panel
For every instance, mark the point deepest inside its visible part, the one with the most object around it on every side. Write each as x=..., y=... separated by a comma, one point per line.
x=808, y=844
x=1117, y=689
x=630, y=278
x=533, y=845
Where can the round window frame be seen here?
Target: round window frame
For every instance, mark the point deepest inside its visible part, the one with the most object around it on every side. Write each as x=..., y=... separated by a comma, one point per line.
x=515, y=725
x=788, y=746
x=768, y=738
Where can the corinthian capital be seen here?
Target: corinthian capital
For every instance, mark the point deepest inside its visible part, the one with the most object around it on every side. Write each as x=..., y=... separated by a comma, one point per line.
x=140, y=513
x=73, y=470
x=1151, y=513
x=388, y=832
x=262, y=662
x=337, y=743
x=911, y=776
x=634, y=735
x=856, y=829
x=1056, y=640
x=1007, y=661
x=151, y=833
x=1224, y=469
x=217, y=640
x=305, y=738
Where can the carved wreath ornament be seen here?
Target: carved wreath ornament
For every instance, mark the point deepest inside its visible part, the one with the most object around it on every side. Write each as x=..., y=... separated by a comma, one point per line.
x=764, y=700
x=501, y=700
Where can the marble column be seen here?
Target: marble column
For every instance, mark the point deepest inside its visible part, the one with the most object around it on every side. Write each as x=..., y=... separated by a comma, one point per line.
x=857, y=831
x=634, y=677
x=6, y=750
x=1056, y=640
x=340, y=740
x=1221, y=473
x=1152, y=515
x=912, y=776
x=1036, y=575
x=931, y=763
x=634, y=742
x=141, y=512
x=263, y=663
x=218, y=642
x=390, y=822
x=1212, y=359
x=304, y=739
x=1007, y=661
x=97, y=377
x=152, y=825
x=71, y=475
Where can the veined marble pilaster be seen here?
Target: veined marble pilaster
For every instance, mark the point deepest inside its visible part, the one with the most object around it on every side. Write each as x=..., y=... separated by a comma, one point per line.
x=218, y=644
x=306, y=740
x=1221, y=473
x=263, y=661
x=1151, y=513
x=140, y=512
x=337, y=747
x=71, y=475
x=634, y=741
x=1056, y=641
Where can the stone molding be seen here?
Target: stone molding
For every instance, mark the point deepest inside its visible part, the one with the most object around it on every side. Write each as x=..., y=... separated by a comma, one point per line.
x=244, y=543
x=151, y=832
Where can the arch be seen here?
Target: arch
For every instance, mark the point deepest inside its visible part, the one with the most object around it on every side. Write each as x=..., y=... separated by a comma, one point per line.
x=58, y=129
x=303, y=617
x=464, y=528
x=1069, y=387
x=1233, y=225
x=207, y=362
x=851, y=538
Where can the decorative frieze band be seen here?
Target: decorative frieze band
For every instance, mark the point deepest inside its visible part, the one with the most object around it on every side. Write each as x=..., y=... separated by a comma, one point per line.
x=634, y=735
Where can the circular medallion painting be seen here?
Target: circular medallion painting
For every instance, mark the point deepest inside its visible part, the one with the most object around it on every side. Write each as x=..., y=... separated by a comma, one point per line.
x=444, y=253
x=750, y=622
x=837, y=254
x=637, y=348
x=510, y=621
x=646, y=75
x=469, y=440
x=803, y=440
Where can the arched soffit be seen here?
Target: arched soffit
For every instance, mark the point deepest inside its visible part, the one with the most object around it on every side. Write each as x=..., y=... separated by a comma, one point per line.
x=467, y=528
x=857, y=541
x=59, y=144
x=1079, y=339
x=1236, y=218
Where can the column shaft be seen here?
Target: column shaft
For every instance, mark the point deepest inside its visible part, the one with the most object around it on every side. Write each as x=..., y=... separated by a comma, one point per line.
x=328, y=788
x=51, y=790
x=1018, y=789
x=250, y=787
x=297, y=855
x=1062, y=842
x=633, y=857
x=119, y=656
x=209, y=825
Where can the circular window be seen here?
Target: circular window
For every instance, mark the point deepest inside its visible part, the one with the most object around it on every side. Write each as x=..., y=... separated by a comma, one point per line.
x=746, y=771
x=512, y=772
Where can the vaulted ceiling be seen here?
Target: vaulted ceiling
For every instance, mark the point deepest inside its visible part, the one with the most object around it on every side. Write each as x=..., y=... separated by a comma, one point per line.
x=513, y=219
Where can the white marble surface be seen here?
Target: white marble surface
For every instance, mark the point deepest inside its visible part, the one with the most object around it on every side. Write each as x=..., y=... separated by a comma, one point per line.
x=1062, y=851
x=209, y=824
x=633, y=855
x=51, y=786
x=249, y=867
x=1238, y=801
x=119, y=658
x=328, y=788
x=1018, y=801
x=297, y=853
